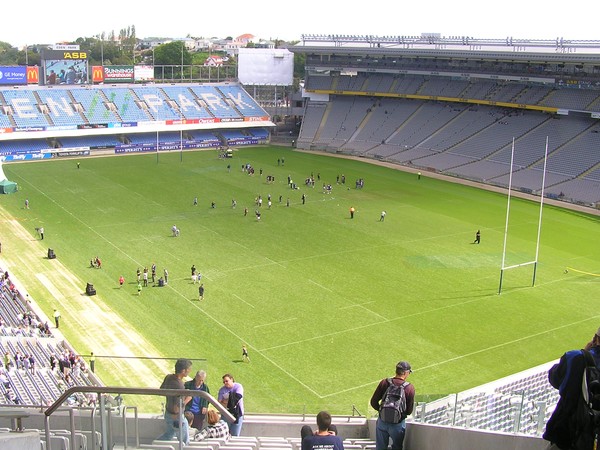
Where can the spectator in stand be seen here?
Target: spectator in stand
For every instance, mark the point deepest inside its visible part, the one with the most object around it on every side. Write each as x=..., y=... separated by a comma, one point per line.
x=66, y=367
x=173, y=414
x=76, y=370
x=564, y=429
x=231, y=396
x=198, y=405
x=391, y=430
x=4, y=379
x=11, y=397
x=92, y=399
x=325, y=437
x=216, y=428
x=18, y=360
x=32, y=364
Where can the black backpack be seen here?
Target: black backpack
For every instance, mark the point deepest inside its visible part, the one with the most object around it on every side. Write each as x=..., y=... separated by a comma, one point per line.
x=393, y=404
x=586, y=420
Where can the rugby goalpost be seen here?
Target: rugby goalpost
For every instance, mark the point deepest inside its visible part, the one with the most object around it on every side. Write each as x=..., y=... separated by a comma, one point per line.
x=534, y=263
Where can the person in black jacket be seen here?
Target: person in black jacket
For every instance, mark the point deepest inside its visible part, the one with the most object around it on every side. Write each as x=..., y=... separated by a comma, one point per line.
x=566, y=376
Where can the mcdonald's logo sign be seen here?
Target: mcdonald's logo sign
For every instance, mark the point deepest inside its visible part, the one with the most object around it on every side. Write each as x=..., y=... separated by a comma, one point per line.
x=33, y=75
x=97, y=74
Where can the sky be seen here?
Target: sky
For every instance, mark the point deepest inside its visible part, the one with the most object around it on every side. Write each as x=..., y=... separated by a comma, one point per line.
x=34, y=22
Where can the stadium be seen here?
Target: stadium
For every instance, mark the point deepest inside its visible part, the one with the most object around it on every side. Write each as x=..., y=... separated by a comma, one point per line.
x=438, y=129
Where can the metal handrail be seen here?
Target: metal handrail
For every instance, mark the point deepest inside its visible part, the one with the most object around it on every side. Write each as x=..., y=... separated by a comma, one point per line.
x=137, y=429
x=181, y=393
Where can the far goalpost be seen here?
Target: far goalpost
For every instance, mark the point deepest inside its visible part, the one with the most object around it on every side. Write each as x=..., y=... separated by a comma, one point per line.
x=537, y=246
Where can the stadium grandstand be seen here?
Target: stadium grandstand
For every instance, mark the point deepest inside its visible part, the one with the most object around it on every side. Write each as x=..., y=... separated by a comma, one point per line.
x=446, y=105
x=454, y=106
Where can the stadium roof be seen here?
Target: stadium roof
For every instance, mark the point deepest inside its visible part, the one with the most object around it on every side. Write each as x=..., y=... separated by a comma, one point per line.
x=558, y=50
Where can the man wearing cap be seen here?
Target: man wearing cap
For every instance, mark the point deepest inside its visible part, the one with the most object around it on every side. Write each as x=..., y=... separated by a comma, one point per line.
x=395, y=431
x=567, y=376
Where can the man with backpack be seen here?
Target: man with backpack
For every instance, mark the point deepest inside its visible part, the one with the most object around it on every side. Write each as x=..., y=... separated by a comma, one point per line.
x=394, y=398
x=576, y=418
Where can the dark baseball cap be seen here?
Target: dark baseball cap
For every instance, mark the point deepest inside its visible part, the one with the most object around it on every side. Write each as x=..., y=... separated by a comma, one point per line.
x=403, y=366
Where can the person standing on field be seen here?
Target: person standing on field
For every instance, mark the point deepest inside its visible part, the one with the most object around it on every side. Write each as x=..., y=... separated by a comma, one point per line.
x=56, y=318
x=245, y=357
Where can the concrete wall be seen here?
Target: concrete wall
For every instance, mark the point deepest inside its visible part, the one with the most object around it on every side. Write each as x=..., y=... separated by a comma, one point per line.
x=419, y=436
x=20, y=441
x=429, y=437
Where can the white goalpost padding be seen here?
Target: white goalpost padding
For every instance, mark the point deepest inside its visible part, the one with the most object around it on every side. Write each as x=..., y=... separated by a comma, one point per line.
x=539, y=230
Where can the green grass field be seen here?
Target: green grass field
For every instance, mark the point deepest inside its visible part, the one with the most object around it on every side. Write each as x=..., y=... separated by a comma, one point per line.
x=326, y=304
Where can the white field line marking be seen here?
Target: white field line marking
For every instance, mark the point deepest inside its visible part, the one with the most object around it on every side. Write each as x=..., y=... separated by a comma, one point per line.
x=466, y=355
x=321, y=286
x=376, y=324
x=232, y=333
x=275, y=323
x=242, y=300
x=261, y=352
x=83, y=223
x=275, y=262
x=354, y=305
x=357, y=304
x=290, y=375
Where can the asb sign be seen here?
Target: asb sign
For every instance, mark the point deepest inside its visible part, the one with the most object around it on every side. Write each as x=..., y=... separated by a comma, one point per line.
x=64, y=54
x=12, y=75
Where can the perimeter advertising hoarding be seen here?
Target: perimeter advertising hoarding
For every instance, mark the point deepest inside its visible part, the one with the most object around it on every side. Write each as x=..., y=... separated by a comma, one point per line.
x=144, y=73
x=13, y=75
x=117, y=74
x=97, y=74
x=33, y=75
x=122, y=74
